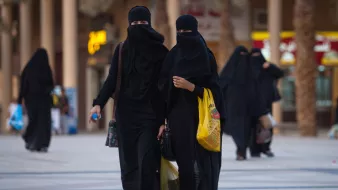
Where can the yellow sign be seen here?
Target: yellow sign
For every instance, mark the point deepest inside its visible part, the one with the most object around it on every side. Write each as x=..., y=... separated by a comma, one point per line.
x=96, y=40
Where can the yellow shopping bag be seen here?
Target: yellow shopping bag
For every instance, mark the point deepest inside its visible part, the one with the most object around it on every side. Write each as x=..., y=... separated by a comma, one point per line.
x=209, y=126
x=169, y=176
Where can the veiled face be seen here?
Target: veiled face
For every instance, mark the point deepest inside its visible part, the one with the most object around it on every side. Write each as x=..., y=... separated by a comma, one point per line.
x=140, y=22
x=244, y=53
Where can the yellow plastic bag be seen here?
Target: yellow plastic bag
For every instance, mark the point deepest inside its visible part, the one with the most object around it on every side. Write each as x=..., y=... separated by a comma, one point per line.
x=209, y=126
x=169, y=176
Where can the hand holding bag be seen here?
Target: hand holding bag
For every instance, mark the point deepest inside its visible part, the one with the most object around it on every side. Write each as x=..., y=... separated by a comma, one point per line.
x=111, y=140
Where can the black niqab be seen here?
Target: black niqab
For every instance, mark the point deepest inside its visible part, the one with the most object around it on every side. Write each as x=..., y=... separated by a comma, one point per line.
x=192, y=52
x=143, y=49
x=235, y=71
x=256, y=62
x=37, y=75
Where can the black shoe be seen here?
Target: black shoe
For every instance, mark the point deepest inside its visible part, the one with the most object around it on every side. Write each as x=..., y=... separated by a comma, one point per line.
x=269, y=154
x=43, y=150
x=240, y=158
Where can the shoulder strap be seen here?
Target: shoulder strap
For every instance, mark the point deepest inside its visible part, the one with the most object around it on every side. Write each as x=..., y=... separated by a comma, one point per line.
x=118, y=78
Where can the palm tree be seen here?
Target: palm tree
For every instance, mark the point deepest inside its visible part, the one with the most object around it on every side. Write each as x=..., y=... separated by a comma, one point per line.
x=306, y=68
x=227, y=41
x=162, y=21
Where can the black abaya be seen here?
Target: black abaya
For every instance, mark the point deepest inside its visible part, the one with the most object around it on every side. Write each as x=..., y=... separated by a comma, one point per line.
x=140, y=110
x=190, y=59
x=35, y=89
x=268, y=88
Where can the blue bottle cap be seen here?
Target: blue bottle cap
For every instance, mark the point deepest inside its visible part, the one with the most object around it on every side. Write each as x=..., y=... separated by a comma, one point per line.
x=95, y=116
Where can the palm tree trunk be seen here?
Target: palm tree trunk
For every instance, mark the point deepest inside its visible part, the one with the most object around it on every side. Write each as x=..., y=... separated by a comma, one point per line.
x=227, y=42
x=162, y=21
x=306, y=68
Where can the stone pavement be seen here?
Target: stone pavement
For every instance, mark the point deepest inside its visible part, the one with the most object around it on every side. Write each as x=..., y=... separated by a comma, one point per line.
x=82, y=163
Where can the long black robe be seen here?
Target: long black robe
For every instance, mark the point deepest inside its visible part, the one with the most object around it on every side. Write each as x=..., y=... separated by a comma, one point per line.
x=182, y=114
x=242, y=99
x=268, y=79
x=36, y=86
x=138, y=122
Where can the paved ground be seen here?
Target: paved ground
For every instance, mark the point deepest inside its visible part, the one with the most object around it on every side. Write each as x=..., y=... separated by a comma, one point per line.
x=83, y=163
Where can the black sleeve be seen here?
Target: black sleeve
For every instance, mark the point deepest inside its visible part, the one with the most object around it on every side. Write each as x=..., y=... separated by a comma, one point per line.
x=110, y=83
x=274, y=71
x=198, y=91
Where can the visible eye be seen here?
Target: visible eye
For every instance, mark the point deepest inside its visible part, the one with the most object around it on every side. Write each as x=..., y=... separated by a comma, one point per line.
x=256, y=54
x=244, y=53
x=183, y=30
x=144, y=22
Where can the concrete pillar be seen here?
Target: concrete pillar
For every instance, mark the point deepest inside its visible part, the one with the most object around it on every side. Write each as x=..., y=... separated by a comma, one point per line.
x=25, y=32
x=174, y=11
x=6, y=63
x=47, y=30
x=91, y=93
x=274, y=25
x=70, y=43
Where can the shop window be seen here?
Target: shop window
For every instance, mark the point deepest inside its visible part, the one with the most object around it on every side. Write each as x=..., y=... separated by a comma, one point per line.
x=323, y=88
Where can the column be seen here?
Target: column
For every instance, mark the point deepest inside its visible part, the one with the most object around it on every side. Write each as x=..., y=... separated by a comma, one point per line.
x=70, y=43
x=274, y=24
x=6, y=63
x=174, y=11
x=47, y=30
x=25, y=32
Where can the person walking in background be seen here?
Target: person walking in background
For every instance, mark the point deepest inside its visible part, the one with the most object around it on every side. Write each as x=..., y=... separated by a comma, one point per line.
x=64, y=109
x=140, y=110
x=35, y=89
x=242, y=99
x=187, y=70
x=268, y=78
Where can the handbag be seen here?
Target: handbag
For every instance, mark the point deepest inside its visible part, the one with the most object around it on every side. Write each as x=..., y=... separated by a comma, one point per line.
x=166, y=145
x=263, y=135
x=112, y=140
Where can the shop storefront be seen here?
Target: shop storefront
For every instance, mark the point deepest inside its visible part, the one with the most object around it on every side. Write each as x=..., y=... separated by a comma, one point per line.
x=326, y=50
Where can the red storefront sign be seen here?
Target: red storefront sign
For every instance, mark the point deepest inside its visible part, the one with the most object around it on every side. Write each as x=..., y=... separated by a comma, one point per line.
x=326, y=48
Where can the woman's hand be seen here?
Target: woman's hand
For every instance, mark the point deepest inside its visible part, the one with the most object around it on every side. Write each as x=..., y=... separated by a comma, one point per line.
x=266, y=65
x=180, y=82
x=160, y=132
x=96, y=109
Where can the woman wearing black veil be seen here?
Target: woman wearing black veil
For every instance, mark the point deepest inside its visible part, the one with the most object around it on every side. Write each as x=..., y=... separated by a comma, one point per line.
x=35, y=89
x=268, y=77
x=140, y=110
x=243, y=100
x=188, y=68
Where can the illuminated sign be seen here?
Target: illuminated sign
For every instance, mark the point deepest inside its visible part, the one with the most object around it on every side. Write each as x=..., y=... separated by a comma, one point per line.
x=326, y=47
x=96, y=40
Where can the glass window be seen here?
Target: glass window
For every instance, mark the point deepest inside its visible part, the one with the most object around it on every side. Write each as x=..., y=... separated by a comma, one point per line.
x=323, y=88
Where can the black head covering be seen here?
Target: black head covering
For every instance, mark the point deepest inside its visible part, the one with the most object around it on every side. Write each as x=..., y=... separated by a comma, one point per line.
x=37, y=74
x=235, y=69
x=139, y=13
x=256, y=62
x=142, y=53
x=193, y=59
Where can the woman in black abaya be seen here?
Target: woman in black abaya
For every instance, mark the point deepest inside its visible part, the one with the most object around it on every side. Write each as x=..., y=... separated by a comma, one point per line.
x=139, y=111
x=188, y=68
x=35, y=89
x=268, y=77
x=235, y=82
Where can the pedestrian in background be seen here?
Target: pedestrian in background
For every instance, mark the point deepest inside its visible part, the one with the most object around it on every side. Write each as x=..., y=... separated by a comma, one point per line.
x=139, y=110
x=269, y=74
x=35, y=89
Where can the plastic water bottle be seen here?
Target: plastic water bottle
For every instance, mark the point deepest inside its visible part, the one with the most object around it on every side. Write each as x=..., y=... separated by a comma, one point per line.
x=95, y=116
